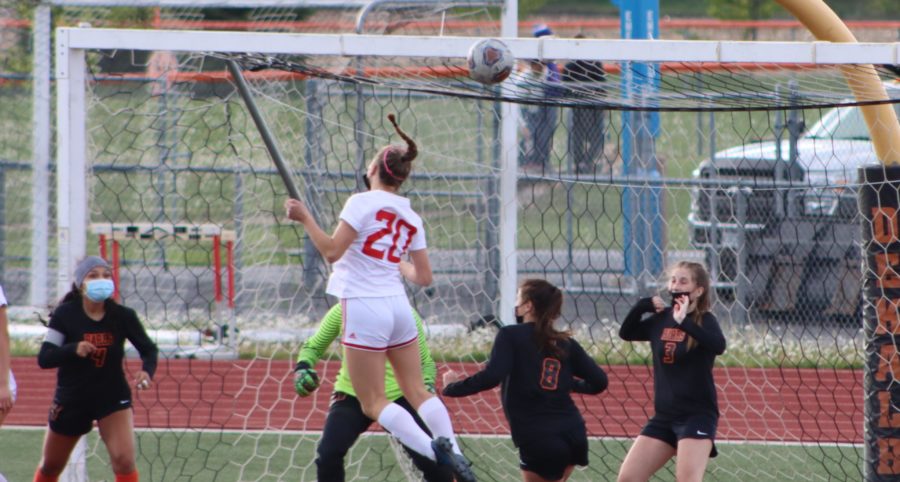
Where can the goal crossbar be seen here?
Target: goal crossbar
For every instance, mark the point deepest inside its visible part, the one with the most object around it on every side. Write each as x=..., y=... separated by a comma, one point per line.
x=625, y=50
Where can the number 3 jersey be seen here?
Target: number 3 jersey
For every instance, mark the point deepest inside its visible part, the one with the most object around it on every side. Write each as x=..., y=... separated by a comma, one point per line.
x=387, y=228
x=536, y=387
x=102, y=371
x=683, y=382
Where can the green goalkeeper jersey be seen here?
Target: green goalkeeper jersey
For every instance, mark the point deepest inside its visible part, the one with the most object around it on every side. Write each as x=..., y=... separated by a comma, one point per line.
x=330, y=328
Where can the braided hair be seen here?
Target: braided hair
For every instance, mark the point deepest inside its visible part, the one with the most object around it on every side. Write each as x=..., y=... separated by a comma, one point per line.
x=395, y=163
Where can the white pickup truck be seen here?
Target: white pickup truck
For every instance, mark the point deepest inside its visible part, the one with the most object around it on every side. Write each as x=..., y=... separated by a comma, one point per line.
x=788, y=223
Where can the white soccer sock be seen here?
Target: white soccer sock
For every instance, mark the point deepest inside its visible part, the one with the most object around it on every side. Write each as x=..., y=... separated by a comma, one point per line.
x=396, y=420
x=435, y=415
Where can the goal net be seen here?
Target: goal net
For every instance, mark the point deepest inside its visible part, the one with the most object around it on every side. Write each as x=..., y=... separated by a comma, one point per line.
x=741, y=155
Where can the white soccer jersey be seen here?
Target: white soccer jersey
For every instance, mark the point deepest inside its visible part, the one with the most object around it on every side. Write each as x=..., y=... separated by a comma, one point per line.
x=387, y=228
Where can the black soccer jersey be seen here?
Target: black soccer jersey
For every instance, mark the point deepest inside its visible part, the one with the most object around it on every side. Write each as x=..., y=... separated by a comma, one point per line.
x=536, y=387
x=682, y=379
x=102, y=371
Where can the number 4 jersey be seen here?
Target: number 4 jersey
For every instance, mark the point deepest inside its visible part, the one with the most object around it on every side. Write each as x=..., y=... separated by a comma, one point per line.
x=101, y=372
x=387, y=228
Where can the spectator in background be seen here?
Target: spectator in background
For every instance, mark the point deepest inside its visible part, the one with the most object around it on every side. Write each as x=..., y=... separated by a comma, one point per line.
x=540, y=121
x=585, y=79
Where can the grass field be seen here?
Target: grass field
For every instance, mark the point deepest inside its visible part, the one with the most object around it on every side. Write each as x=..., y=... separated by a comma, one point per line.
x=269, y=457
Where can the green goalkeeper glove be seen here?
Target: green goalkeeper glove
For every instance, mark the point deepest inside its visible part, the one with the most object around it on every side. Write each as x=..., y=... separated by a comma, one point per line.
x=306, y=380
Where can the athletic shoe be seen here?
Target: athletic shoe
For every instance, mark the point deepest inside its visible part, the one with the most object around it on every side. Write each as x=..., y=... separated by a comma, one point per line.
x=444, y=454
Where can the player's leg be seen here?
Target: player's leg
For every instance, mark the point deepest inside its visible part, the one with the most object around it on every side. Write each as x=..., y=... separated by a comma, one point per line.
x=367, y=328
x=403, y=353
x=343, y=425
x=646, y=456
x=431, y=471
x=4, y=411
x=407, y=363
x=693, y=456
x=368, y=325
x=117, y=433
x=55, y=455
x=366, y=370
x=66, y=424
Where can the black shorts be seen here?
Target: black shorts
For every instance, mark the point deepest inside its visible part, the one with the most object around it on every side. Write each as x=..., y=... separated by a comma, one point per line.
x=550, y=455
x=77, y=418
x=671, y=431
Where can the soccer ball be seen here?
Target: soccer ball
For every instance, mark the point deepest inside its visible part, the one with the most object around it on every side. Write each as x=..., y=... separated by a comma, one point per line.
x=490, y=61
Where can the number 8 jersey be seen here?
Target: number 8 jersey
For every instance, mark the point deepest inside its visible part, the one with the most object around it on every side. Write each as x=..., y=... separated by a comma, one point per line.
x=387, y=228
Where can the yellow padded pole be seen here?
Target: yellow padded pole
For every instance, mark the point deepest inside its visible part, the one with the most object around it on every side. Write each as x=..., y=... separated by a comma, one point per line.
x=863, y=80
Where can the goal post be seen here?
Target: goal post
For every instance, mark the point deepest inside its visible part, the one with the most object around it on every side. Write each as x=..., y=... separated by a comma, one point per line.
x=790, y=383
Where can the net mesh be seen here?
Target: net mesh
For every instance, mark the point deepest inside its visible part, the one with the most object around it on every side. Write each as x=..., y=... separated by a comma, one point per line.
x=788, y=291
x=677, y=86
x=750, y=169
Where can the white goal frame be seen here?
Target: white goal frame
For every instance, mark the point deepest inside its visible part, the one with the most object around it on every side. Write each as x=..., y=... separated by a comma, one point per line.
x=71, y=44
x=72, y=143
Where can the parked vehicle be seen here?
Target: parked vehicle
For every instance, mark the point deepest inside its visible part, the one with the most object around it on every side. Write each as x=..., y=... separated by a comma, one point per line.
x=780, y=228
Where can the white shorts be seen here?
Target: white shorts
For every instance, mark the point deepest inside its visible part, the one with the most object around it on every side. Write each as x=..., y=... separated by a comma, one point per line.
x=12, y=385
x=378, y=324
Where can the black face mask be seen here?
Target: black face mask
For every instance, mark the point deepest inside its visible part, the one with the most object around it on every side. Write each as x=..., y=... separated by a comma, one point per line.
x=678, y=294
x=366, y=181
x=519, y=318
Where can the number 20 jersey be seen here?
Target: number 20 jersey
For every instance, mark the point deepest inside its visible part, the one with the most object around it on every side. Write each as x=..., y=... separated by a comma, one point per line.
x=387, y=228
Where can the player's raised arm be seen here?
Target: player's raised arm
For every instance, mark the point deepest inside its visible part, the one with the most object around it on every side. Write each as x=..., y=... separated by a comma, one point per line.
x=331, y=247
x=633, y=328
x=498, y=367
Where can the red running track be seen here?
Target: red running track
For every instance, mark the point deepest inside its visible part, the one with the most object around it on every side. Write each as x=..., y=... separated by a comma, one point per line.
x=785, y=405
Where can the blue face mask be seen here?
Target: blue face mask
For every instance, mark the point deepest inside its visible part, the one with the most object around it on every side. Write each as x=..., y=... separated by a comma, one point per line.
x=99, y=289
